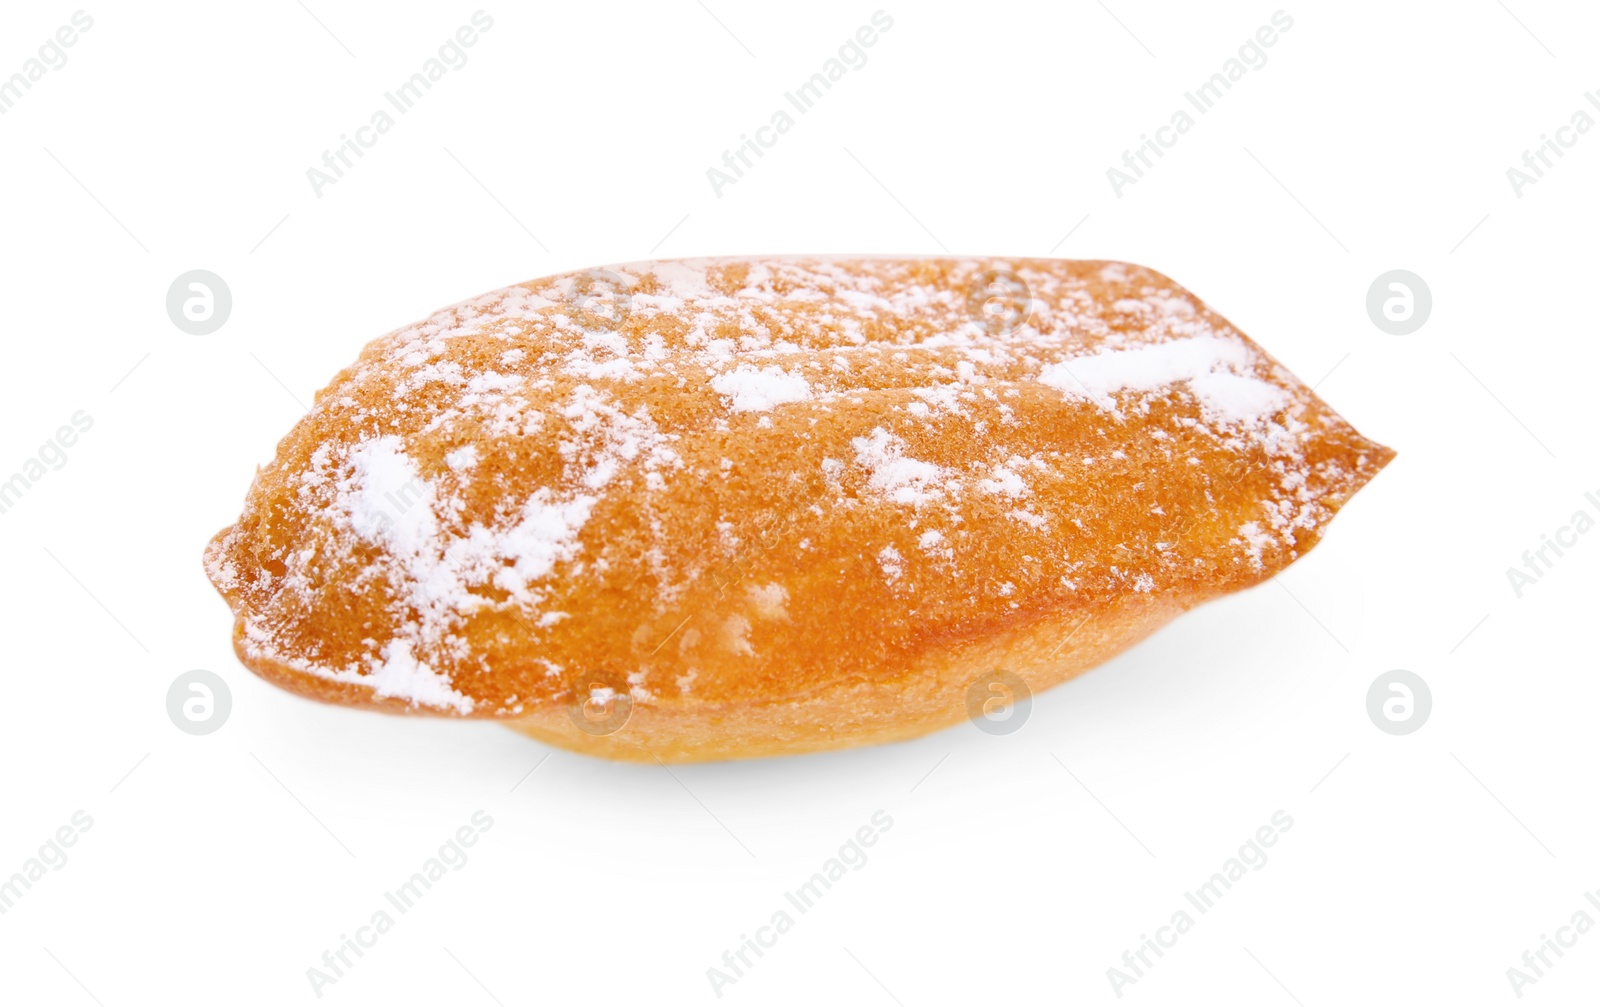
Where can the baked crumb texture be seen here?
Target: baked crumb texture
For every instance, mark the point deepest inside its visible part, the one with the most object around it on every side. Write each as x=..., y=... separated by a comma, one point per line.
x=762, y=506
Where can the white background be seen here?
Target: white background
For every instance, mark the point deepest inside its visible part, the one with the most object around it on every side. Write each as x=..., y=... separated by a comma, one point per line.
x=1377, y=136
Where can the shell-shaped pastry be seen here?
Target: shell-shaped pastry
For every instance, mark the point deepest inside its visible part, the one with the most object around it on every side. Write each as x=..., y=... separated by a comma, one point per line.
x=719, y=508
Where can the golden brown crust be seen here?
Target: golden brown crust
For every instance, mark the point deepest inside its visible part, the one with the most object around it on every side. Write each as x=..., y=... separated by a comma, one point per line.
x=782, y=504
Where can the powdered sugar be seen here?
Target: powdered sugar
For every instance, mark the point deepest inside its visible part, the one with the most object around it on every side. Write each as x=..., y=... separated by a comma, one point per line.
x=752, y=390
x=546, y=535
x=387, y=501
x=440, y=573
x=1255, y=542
x=901, y=479
x=1004, y=481
x=399, y=675
x=891, y=563
x=1219, y=373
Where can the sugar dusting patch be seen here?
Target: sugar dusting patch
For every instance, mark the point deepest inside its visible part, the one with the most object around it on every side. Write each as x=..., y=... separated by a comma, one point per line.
x=1004, y=481
x=1219, y=373
x=891, y=563
x=1255, y=541
x=399, y=675
x=752, y=390
x=769, y=601
x=388, y=502
x=736, y=636
x=902, y=479
x=546, y=535
x=439, y=573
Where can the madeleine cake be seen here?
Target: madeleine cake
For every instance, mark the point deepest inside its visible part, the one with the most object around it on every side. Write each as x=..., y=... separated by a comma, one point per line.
x=722, y=508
